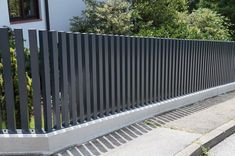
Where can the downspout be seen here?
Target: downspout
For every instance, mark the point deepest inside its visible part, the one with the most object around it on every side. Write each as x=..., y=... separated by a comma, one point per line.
x=47, y=15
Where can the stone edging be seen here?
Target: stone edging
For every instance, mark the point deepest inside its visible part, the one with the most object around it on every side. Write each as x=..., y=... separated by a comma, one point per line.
x=209, y=140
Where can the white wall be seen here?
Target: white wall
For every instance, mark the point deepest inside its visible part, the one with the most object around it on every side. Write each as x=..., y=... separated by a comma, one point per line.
x=4, y=16
x=61, y=11
x=37, y=24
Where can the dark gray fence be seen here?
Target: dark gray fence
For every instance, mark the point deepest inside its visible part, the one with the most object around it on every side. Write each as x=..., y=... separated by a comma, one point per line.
x=81, y=77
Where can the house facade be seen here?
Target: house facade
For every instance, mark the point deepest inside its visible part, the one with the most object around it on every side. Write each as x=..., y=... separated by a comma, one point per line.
x=39, y=14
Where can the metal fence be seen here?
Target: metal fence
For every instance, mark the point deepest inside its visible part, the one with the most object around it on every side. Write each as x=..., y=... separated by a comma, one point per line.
x=81, y=77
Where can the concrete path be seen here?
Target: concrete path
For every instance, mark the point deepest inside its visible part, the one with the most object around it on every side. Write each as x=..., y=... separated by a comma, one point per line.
x=206, y=120
x=160, y=142
x=162, y=135
x=225, y=148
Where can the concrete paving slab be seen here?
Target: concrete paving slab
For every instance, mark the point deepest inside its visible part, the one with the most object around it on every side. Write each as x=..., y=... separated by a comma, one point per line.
x=209, y=140
x=225, y=148
x=159, y=142
x=208, y=119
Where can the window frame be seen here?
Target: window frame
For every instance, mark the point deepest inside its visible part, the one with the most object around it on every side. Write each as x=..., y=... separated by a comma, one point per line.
x=22, y=16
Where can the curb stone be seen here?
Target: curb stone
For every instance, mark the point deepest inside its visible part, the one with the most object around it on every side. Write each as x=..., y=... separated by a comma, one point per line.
x=209, y=140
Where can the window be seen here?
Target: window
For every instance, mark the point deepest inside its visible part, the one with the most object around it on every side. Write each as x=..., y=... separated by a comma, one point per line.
x=23, y=10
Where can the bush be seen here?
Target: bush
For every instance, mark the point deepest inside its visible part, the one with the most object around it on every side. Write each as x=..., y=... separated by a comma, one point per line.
x=204, y=24
x=153, y=15
x=200, y=24
x=223, y=7
x=157, y=18
x=109, y=17
x=15, y=84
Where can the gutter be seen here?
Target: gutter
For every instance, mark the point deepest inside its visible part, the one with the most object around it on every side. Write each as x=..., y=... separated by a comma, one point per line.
x=47, y=15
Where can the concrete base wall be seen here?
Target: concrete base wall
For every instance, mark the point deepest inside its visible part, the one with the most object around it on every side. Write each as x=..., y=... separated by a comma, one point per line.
x=55, y=141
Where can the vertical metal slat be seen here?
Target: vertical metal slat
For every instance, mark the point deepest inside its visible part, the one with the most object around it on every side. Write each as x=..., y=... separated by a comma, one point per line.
x=133, y=72
x=80, y=82
x=8, y=82
x=55, y=78
x=128, y=72
x=94, y=75
x=46, y=84
x=72, y=79
x=118, y=73
x=106, y=74
x=24, y=114
x=112, y=75
x=34, y=61
x=64, y=79
x=138, y=75
x=87, y=75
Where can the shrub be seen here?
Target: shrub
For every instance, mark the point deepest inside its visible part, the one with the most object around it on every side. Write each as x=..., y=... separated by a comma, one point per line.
x=109, y=17
x=155, y=15
x=200, y=24
x=15, y=84
x=204, y=24
x=223, y=7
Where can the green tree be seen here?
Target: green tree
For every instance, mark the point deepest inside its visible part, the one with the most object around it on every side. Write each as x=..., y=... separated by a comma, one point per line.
x=109, y=17
x=224, y=7
x=158, y=18
x=156, y=15
x=200, y=24
x=203, y=24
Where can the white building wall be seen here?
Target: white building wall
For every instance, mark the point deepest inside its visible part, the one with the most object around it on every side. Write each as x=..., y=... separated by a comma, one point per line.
x=39, y=24
x=4, y=16
x=61, y=11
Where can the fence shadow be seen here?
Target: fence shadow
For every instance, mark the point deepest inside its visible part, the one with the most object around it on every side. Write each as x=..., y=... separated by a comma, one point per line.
x=122, y=136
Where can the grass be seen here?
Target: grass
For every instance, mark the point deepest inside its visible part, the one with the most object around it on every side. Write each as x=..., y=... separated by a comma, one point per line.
x=31, y=123
x=204, y=151
x=147, y=122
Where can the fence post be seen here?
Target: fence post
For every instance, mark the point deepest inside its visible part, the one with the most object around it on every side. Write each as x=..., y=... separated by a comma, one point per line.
x=94, y=58
x=138, y=54
x=55, y=85
x=7, y=77
x=46, y=82
x=24, y=114
x=86, y=38
x=133, y=72
x=80, y=74
x=71, y=75
x=106, y=74
x=123, y=75
x=101, y=74
x=112, y=75
x=36, y=84
x=63, y=66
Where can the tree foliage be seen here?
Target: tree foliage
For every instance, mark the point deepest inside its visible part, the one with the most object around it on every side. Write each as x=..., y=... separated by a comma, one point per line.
x=110, y=17
x=199, y=24
x=203, y=24
x=158, y=18
x=223, y=7
x=156, y=14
